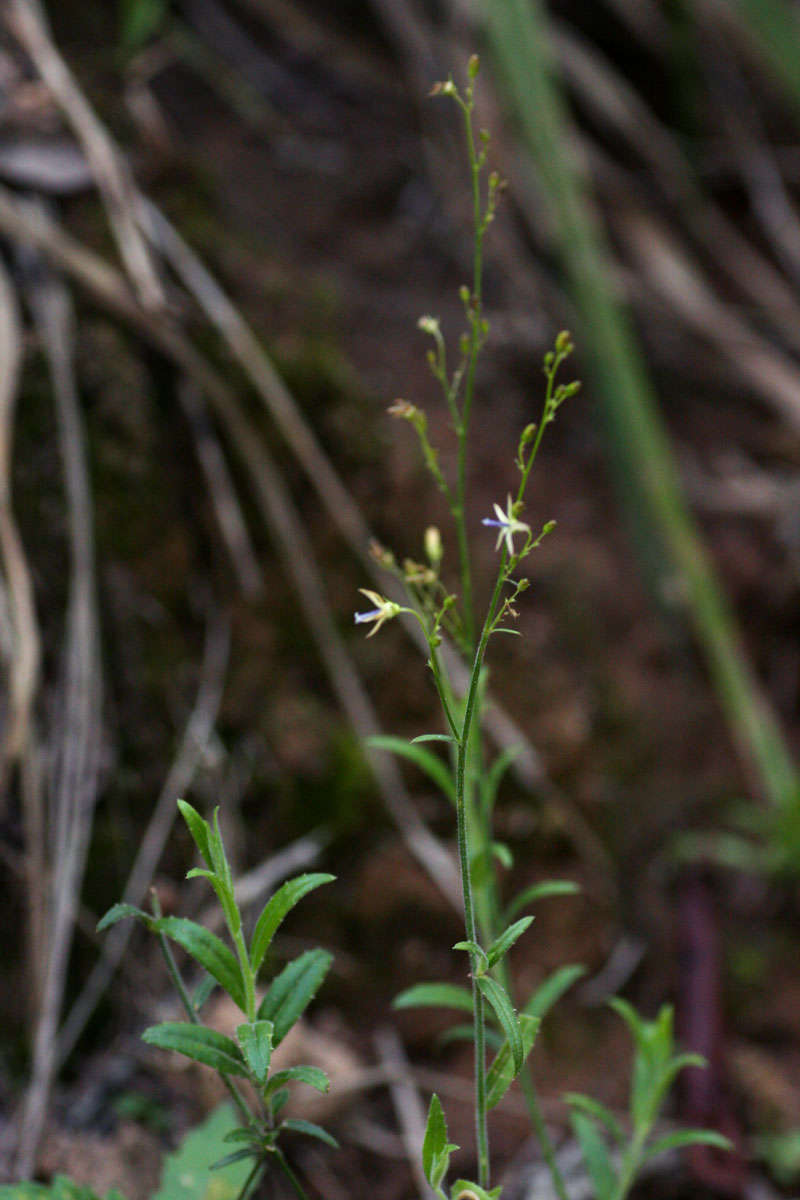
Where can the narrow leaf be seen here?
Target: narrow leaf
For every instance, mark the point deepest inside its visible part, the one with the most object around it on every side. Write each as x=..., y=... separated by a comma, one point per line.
x=203, y=991
x=292, y=991
x=224, y=895
x=313, y=1076
x=198, y=828
x=466, y=1033
x=435, y=995
x=593, y=1108
x=498, y=997
x=255, y=1041
x=436, y=1149
x=432, y=737
x=311, y=1129
x=119, y=912
x=688, y=1137
x=434, y=767
x=540, y=891
x=595, y=1155
x=276, y=909
x=501, y=1073
x=553, y=988
x=201, y=1044
x=209, y=950
x=501, y=945
x=491, y=782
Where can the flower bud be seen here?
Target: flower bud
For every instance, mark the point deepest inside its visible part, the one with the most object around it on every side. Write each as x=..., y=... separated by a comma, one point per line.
x=433, y=545
x=564, y=342
x=473, y=66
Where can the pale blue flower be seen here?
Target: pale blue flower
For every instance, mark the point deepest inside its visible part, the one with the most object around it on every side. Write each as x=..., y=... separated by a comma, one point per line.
x=384, y=611
x=508, y=525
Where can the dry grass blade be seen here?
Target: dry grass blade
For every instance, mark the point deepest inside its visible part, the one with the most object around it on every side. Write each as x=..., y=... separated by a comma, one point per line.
x=407, y=1104
x=22, y=647
x=191, y=753
x=28, y=22
x=642, y=449
x=230, y=520
x=107, y=287
x=75, y=770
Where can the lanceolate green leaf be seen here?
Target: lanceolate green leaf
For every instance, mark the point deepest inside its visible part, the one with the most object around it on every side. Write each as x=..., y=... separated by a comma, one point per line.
x=292, y=991
x=311, y=1130
x=501, y=945
x=119, y=912
x=687, y=1137
x=210, y=952
x=255, y=1042
x=540, y=891
x=497, y=996
x=310, y=1075
x=276, y=909
x=224, y=894
x=595, y=1155
x=199, y=1043
x=553, y=988
x=198, y=828
x=501, y=1073
x=436, y=1149
x=596, y=1110
x=435, y=995
x=434, y=767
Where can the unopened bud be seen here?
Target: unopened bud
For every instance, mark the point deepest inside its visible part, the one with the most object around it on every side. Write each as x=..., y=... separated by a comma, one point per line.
x=473, y=66
x=528, y=434
x=428, y=325
x=433, y=545
x=564, y=342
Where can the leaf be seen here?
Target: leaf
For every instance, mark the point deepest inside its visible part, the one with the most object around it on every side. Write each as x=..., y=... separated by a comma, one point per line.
x=433, y=737
x=224, y=895
x=498, y=997
x=119, y=912
x=490, y=784
x=236, y=1156
x=466, y=1033
x=276, y=909
x=501, y=852
x=548, y=993
x=196, y=1042
x=476, y=951
x=219, y=859
x=436, y=1149
x=255, y=1042
x=501, y=945
x=198, y=828
x=501, y=1073
x=187, y=1175
x=435, y=995
x=292, y=991
x=203, y=991
x=540, y=891
x=688, y=1137
x=24, y=1191
x=595, y=1155
x=433, y=766
x=298, y=1125
x=313, y=1076
x=593, y=1108
x=209, y=950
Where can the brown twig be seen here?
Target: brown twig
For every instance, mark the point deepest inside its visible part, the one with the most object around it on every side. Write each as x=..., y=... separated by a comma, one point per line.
x=28, y=22
x=75, y=766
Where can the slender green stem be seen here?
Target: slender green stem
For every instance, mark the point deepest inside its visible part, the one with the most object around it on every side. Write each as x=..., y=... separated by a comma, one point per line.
x=631, y=1162
x=252, y=1181
x=289, y=1173
x=466, y=884
x=191, y=1011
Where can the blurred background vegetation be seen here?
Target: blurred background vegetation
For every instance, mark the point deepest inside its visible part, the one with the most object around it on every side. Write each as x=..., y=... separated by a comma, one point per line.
x=220, y=220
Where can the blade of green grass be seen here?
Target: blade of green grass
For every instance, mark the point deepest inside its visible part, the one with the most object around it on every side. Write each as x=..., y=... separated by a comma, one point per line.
x=639, y=441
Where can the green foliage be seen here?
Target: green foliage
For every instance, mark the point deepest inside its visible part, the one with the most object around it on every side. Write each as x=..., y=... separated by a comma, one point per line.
x=187, y=1174
x=613, y=1159
x=236, y=970
x=61, y=1188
